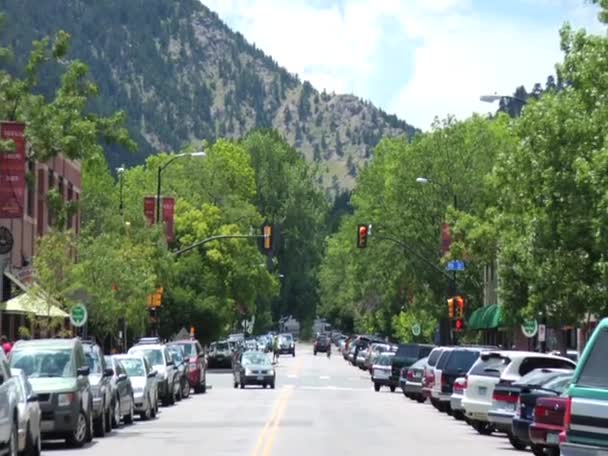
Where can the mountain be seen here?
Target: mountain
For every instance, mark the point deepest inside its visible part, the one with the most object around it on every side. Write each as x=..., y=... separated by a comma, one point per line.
x=182, y=75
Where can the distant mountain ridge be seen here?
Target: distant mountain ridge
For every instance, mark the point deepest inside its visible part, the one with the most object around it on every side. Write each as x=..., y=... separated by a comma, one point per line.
x=182, y=75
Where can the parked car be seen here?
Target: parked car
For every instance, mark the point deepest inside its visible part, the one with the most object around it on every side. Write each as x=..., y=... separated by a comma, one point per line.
x=197, y=364
x=405, y=356
x=166, y=373
x=524, y=413
x=429, y=371
x=570, y=354
x=59, y=375
x=30, y=440
x=286, y=344
x=374, y=350
x=532, y=370
x=181, y=363
x=548, y=424
x=9, y=408
x=142, y=378
x=437, y=370
x=322, y=345
x=458, y=363
x=458, y=388
x=381, y=372
x=100, y=377
x=586, y=429
x=220, y=354
x=254, y=368
x=411, y=379
x=123, y=393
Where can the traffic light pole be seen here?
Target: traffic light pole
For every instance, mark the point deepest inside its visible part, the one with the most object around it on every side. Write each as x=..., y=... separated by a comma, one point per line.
x=217, y=238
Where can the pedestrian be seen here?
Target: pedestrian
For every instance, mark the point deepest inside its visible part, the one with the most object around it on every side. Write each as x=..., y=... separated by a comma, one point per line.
x=275, y=348
x=6, y=345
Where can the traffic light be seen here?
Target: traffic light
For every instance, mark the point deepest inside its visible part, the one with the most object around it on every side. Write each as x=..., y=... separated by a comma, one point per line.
x=451, y=308
x=362, y=232
x=458, y=324
x=267, y=240
x=459, y=307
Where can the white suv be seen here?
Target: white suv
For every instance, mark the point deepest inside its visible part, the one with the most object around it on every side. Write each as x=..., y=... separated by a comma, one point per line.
x=9, y=412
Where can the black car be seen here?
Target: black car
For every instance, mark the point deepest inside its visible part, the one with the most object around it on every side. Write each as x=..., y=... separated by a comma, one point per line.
x=322, y=344
x=458, y=362
x=407, y=354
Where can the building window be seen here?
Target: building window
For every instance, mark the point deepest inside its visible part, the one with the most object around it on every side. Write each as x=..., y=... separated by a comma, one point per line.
x=70, y=198
x=61, y=188
x=50, y=211
x=31, y=188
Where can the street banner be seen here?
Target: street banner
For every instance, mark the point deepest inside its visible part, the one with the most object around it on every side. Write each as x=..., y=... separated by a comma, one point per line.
x=168, y=217
x=446, y=238
x=12, y=171
x=150, y=209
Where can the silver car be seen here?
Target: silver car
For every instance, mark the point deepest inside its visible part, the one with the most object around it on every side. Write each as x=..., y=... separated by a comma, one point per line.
x=143, y=379
x=29, y=415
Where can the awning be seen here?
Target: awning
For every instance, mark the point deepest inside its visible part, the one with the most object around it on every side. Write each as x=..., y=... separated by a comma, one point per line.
x=27, y=304
x=486, y=317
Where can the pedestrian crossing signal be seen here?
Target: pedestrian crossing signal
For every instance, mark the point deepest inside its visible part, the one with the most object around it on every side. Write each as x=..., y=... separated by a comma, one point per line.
x=362, y=232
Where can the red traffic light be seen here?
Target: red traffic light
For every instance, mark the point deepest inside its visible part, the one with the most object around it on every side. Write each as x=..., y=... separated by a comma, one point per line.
x=459, y=325
x=362, y=232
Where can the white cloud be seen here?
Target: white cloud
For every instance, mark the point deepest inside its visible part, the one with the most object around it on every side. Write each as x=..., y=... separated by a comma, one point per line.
x=459, y=53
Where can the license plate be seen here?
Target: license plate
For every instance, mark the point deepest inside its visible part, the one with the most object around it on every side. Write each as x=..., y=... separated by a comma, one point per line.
x=482, y=390
x=46, y=426
x=507, y=407
x=260, y=377
x=381, y=374
x=552, y=438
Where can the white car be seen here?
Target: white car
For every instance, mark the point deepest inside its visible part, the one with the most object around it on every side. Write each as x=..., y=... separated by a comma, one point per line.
x=143, y=380
x=29, y=415
x=166, y=373
x=9, y=408
x=436, y=389
x=381, y=371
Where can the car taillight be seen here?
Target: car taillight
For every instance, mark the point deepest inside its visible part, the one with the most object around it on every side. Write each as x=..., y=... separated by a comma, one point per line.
x=458, y=388
x=444, y=380
x=568, y=415
x=410, y=375
x=505, y=397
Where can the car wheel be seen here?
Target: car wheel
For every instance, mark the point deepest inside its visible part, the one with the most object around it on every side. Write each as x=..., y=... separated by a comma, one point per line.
x=32, y=444
x=315, y=353
x=99, y=429
x=393, y=388
x=458, y=415
x=421, y=399
x=89, y=437
x=376, y=387
x=13, y=444
x=236, y=384
x=79, y=434
x=482, y=428
x=147, y=413
x=186, y=392
x=272, y=385
x=116, y=412
x=293, y=354
x=128, y=418
x=153, y=408
x=108, y=420
x=242, y=385
x=516, y=443
x=538, y=450
x=203, y=387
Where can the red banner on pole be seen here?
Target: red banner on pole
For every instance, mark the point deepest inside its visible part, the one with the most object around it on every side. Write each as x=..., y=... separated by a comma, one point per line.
x=150, y=209
x=168, y=217
x=12, y=171
x=446, y=238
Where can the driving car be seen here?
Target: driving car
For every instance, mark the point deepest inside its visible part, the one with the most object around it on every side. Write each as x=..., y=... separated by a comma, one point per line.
x=220, y=354
x=286, y=344
x=100, y=377
x=322, y=344
x=123, y=400
x=253, y=368
x=381, y=372
x=59, y=374
x=30, y=441
x=197, y=364
x=166, y=374
x=181, y=364
x=9, y=408
x=143, y=380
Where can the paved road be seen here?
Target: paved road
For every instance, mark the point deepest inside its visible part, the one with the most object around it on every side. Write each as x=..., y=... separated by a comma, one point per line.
x=320, y=407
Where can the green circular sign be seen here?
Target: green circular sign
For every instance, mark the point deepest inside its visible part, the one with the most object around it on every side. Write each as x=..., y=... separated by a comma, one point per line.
x=529, y=328
x=416, y=329
x=78, y=315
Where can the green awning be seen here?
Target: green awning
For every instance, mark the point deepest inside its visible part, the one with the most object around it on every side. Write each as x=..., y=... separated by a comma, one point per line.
x=486, y=317
x=475, y=318
x=27, y=304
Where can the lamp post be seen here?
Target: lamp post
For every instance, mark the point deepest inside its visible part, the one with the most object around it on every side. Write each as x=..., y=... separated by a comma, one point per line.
x=162, y=168
x=121, y=172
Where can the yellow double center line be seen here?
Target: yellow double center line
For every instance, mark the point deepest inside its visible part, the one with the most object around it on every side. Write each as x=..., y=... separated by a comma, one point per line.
x=269, y=433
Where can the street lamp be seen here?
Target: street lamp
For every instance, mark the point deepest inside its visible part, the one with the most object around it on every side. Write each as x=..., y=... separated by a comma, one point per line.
x=496, y=97
x=162, y=168
x=120, y=172
x=426, y=180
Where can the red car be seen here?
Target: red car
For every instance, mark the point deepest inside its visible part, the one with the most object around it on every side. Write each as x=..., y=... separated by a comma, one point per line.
x=548, y=424
x=197, y=364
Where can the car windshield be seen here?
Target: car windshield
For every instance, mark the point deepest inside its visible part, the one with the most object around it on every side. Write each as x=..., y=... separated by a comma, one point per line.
x=188, y=349
x=134, y=367
x=492, y=366
x=255, y=358
x=384, y=359
x=177, y=353
x=461, y=360
x=538, y=377
x=154, y=355
x=558, y=384
x=221, y=346
x=38, y=363
x=93, y=361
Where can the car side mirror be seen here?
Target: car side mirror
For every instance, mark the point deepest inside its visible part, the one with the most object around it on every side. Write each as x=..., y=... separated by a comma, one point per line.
x=83, y=371
x=170, y=363
x=151, y=374
x=108, y=372
x=122, y=377
x=32, y=398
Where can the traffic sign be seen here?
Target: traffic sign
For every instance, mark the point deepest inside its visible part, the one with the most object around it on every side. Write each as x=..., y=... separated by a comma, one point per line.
x=78, y=315
x=455, y=265
x=529, y=328
x=416, y=329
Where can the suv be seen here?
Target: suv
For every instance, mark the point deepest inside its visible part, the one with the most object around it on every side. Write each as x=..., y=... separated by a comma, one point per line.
x=100, y=377
x=587, y=404
x=59, y=374
x=9, y=413
x=287, y=344
x=407, y=354
x=162, y=362
x=220, y=354
x=197, y=364
x=322, y=344
x=458, y=363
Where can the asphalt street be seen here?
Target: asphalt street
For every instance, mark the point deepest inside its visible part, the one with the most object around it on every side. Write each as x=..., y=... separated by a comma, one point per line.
x=320, y=407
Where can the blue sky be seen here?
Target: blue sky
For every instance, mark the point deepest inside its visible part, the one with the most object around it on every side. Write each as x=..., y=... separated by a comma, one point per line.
x=414, y=58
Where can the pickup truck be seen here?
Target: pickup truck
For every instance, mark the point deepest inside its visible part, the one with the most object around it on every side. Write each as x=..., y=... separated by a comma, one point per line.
x=9, y=412
x=586, y=415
